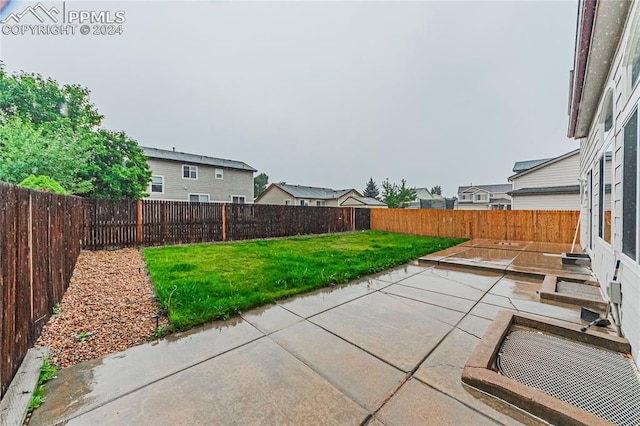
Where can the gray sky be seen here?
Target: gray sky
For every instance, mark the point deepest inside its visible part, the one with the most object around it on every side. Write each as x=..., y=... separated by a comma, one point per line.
x=329, y=93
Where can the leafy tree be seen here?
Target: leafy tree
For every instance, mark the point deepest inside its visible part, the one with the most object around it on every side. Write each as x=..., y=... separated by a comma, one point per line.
x=43, y=183
x=371, y=190
x=53, y=130
x=53, y=151
x=436, y=190
x=397, y=197
x=260, y=183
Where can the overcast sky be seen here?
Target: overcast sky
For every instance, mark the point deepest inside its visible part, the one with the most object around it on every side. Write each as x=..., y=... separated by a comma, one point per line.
x=329, y=93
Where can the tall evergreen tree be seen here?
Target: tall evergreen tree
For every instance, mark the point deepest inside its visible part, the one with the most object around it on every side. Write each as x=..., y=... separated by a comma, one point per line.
x=371, y=190
x=436, y=190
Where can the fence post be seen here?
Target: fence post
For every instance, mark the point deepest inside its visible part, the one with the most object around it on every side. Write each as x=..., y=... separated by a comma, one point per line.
x=224, y=221
x=353, y=219
x=139, y=228
x=31, y=256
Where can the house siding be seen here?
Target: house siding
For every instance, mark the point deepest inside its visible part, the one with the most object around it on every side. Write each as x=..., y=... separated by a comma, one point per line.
x=234, y=182
x=560, y=173
x=275, y=195
x=546, y=202
x=592, y=148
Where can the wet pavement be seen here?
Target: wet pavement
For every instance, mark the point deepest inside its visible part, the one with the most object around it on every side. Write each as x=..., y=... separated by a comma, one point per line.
x=386, y=350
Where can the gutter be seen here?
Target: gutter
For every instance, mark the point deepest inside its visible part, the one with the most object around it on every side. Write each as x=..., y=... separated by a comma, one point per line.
x=583, y=44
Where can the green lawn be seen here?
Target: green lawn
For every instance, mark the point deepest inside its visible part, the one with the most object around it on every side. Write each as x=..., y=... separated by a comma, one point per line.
x=200, y=283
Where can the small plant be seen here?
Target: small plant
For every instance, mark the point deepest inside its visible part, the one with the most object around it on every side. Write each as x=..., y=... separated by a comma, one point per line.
x=159, y=332
x=47, y=372
x=56, y=309
x=82, y=336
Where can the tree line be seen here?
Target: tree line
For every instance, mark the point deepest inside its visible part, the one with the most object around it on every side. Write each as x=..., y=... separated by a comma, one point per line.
x=51, y=137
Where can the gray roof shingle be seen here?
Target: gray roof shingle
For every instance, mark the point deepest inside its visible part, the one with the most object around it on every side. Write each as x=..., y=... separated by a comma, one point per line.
x=564, y=189
x=521, y=166
x=502, y=187
x=184, y=157
x=312, y=192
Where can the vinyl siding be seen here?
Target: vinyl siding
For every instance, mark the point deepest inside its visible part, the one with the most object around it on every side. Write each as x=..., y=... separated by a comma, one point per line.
x=546, y=202
x=275, y=195
x=234, y=182
x=604, y=255
x=560, y=173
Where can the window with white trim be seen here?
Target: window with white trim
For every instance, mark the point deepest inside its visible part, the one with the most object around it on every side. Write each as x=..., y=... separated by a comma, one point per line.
x=189, y=172
x=630, y=187
x=304, y=202
x=219, y=174
x=480, y=197
x=607, y=113
x=287, y=202
x=157, y=184
x=321, y=203
x=238, y=199
x=199, y=198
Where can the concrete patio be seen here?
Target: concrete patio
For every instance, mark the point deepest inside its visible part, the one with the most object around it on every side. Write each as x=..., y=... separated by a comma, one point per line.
x=388, y=350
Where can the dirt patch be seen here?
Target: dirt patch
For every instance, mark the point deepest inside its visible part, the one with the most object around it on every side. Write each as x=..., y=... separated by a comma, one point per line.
x=108, y=307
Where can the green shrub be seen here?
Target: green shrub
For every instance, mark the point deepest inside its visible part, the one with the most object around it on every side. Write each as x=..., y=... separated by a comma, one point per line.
x=43, y=183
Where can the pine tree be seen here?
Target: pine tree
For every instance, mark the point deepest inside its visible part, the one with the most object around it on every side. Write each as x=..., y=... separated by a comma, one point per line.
x=371, y=190
x=436, y=190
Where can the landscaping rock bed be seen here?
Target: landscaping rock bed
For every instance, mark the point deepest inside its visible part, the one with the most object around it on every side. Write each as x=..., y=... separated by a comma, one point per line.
x=108, y=307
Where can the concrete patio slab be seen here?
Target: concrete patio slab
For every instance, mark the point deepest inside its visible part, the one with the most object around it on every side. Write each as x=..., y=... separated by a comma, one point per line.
x=443, y=368
x=323, y=299
x=479, y=279
x=438, y=299
x=443, y=254
x=270, y=318
x=473, y=325
x=418, y=404
x=357, y=374
x=438, y=281
x=557, y=248
x=87, y=385
x=484, y=258
x=548, y=264
x=518, y=287
x=399, y=274
x=398, y=330
x=259, y=383
x=502, y=244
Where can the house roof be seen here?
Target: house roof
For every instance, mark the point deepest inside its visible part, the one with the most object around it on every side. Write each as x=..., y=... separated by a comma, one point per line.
x=367, y=201
x=521, y=166
x=598, y=31
x=184, y=157
x=425, y=194
x=565, y=189
x=502, y=187
x=542, y=163
x=311, y=192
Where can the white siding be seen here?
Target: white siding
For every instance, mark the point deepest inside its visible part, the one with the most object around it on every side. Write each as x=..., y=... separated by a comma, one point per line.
x=234, y=182
x=604, y=255
x=560, y=173
x=546, y=202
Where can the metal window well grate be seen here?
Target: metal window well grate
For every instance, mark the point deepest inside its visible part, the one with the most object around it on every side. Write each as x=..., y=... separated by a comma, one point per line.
x=599, y=381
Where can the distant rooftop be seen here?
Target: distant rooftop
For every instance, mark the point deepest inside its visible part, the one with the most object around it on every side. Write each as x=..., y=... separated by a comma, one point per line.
x=502, y=187
x=316, y=193
x=521, y=166
x=184, y=157
x=368, y=201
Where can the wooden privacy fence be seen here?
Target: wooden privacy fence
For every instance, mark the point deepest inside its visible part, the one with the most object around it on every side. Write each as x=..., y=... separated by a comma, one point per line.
x=109, y=224
x=40, y=236
x=519, y=225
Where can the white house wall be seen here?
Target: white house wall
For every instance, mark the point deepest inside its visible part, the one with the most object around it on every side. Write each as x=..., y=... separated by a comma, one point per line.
x=546, y=202
x=175, y=187
x=592, y=148
x=561, y=173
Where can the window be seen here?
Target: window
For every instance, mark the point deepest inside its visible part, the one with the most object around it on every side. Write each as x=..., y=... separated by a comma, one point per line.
x=604, y=195
x=630, y=187
x=157, y=184
x=304, y=202
x=480, y=197
x=219, y=173
x=238, y=199
x=287, y=202
x=199, y=198
x=190, y=172
x=608, y=112
x=321, y=203
x=634, y=57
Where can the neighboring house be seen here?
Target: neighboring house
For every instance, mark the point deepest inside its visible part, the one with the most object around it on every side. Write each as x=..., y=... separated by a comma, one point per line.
x=189, y=177
x=547, y=184
x=297, y=195
x=426, y=200
x=484, y=197
x=363, y=202
x=604, y=116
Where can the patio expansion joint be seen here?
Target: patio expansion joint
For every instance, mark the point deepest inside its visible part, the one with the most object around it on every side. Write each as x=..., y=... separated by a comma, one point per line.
x=90, y=408
x=373, y=290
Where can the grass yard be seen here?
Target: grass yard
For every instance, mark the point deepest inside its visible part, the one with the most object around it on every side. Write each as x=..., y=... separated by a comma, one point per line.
x=204, y=282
